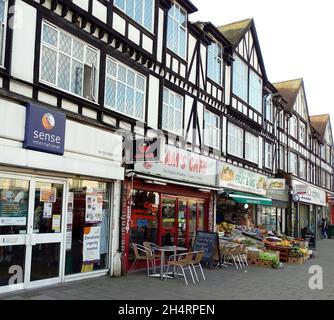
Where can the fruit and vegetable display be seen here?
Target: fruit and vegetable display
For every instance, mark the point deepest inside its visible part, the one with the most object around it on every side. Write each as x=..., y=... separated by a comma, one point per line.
x=271, y=257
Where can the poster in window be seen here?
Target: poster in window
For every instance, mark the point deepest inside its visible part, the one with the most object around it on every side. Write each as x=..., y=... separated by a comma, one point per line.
x=91, y=244
x=13, y=207
x=70, y=203
x=69, y=239
x=47, y=210
x=94, y=203
x=56, y=219
x=48, y=194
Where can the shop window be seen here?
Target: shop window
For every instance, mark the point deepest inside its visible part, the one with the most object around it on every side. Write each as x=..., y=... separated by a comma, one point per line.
x=172, y=112
x=177, y=30
x=139, y=10
x=14, y=204
x=88, y=225
x=125, y=90
x=3, y=18
x=68, y=63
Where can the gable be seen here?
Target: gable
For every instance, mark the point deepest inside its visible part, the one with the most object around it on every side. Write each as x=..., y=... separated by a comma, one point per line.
x=248, y=51
x=300, y=105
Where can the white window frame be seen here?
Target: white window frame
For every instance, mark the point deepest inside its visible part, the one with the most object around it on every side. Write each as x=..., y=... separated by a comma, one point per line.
x=126, y=86
x=293, y=127
x=293, y=166
x=240, y=78
x=268, y=155
x=251, y=148
x=58, y=52
x=235, y=143
x=302, y=133
x=133, y=17
x=269, y=108
x=211, y=129
x=166, y=112
x=176, y=49
x=3, y=31
x=215, y=62
x=302, y=168
x=282, y=158
x=255, y=99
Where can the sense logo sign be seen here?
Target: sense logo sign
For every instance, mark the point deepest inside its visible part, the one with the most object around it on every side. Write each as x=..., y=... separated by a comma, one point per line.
x=45, y=130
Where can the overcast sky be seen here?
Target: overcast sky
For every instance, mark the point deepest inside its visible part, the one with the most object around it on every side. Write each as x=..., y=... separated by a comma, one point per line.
x=296, y=39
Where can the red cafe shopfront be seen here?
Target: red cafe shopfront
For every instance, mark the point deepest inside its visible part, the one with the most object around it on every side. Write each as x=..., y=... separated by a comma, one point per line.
x=166, y=203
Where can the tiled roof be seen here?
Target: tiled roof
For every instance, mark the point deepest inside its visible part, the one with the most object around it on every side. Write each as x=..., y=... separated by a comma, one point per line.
x=319, y=123
x=234, y=31
x=289, y=90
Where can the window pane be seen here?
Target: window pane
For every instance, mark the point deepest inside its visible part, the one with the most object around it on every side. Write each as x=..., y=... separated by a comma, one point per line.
x=120, y=102
x=91, y=57
x=122, y=73
x=139, y=11
x=139, y=105
x=65, y=43
x=110, y=92
x=2, y=10
x=131, y=79
x=50, y=35
x=130, y=99
x=130, y=4
x=77, y=77
x=120, y=4
x=140, y=83
x=49, y=65
x=64, y=72
x=111, y=68
x=78, y=50
x=148, y=14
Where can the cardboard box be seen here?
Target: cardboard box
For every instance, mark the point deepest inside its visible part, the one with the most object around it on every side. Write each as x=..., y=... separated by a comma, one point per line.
x=253, y=254
x=253, y=261
x=293, y=260
x=265, y=263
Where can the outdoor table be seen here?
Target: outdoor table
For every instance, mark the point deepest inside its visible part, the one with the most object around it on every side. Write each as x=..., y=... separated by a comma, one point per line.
x=162, y=263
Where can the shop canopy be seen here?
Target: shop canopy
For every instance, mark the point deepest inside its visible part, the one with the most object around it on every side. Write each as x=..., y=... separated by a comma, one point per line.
x=241, y=197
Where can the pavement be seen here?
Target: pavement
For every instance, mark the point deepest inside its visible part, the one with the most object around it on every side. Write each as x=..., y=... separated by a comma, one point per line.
x=289, y=283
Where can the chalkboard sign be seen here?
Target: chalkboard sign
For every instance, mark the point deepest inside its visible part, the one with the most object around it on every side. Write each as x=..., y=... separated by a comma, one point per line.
x=209, y=242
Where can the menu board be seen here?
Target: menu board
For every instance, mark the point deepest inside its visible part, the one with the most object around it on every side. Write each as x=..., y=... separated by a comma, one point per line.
x=209, y=242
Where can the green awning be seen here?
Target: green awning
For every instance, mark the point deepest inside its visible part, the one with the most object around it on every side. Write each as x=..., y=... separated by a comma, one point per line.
x=241, y=197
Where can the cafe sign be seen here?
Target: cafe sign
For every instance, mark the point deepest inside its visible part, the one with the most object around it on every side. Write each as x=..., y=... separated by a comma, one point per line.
x=237, y=178
x=303, y=192
x=180, y=164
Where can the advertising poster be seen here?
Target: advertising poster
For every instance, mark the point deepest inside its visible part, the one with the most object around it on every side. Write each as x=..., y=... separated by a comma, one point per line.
x=47, y=210
x=68, y=239
x=48, y=194
x=13, y=208
x=91, y=244
x=56, y=219
x=94, y=203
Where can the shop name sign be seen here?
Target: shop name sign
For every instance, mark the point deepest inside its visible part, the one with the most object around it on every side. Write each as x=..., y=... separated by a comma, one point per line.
x=243, y=180
x=308, y=194
x=182, y=165
x=45, y=130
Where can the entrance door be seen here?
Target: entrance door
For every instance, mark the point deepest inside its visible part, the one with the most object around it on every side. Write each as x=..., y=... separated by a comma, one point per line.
x=168, y=230
x=31, y=231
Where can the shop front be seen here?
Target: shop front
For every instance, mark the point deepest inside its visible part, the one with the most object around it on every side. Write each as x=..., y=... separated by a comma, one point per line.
x=166, y=203
x=308, y=207
x=244, y=198
x=58, y=180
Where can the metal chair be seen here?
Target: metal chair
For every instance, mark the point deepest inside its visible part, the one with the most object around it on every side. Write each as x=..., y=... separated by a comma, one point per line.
x=196, y=263
x=152, y=246
x=182, y=261
x=143, y=253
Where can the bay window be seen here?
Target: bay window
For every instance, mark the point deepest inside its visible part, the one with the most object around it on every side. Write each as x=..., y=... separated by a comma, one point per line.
x=172, y=112
x=240, y=78
x=251, y=148
x=177, y=30
x=235, y=141
x=139, y=10
x=255, y=91
x=215, y=62
x=125, y=90
x=3, y=19
x=293, y=163
x=268, y=155
x=211, y=129
x=68, y=63
x=302, y=168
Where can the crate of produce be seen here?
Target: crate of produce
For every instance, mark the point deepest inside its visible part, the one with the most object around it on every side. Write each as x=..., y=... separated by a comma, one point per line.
x=265, y=263
x=283, y=252
x=253, y=261
x=294, y=260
